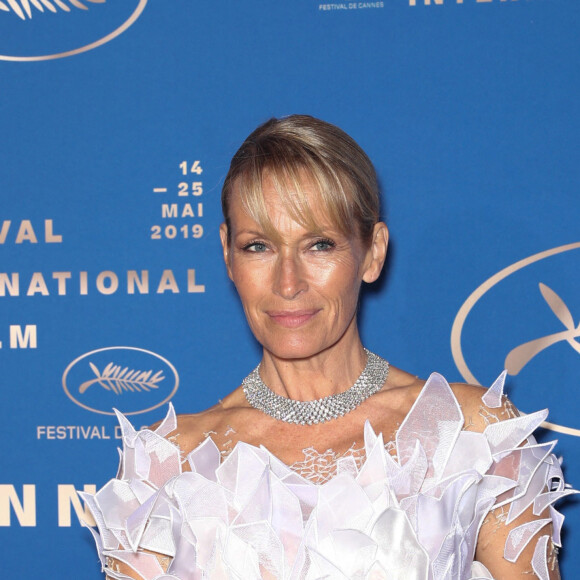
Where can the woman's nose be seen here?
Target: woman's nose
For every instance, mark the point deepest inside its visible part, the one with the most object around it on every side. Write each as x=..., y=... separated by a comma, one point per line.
x=289, y=277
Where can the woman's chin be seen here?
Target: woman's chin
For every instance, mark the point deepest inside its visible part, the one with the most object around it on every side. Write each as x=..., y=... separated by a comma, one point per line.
x=293, y=350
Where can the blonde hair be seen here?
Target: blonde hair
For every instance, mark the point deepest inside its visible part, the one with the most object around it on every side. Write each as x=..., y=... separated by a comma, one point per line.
x=299, y=148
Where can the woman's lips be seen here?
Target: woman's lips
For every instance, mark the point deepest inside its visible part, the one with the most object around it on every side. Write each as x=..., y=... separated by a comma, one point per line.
x=292, y=318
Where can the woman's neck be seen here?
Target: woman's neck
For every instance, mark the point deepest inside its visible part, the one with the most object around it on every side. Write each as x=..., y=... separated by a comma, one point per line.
x=331, y=371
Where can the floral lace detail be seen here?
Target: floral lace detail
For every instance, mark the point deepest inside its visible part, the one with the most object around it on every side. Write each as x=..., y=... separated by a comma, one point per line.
x=553, y=552
x=506, y=411
x=503, y=413
x=320, y=467
x=495, y=519
x=316, y=467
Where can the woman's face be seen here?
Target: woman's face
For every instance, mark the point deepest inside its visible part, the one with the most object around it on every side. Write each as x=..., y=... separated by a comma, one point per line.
x=299, y=292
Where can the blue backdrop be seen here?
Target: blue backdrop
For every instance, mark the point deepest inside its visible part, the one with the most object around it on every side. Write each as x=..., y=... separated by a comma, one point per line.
x=118, y=122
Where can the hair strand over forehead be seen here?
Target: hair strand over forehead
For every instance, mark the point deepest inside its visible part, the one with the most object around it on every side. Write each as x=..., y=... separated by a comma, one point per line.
x=305, y=159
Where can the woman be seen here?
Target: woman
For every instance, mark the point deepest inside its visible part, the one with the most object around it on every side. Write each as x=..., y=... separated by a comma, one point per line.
x=326, y=462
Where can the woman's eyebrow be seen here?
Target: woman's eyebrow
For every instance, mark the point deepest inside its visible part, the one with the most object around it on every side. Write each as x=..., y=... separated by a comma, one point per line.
x=251, y=232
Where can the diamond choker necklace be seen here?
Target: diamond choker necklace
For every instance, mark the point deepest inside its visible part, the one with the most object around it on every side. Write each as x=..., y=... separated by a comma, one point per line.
x=261, y=397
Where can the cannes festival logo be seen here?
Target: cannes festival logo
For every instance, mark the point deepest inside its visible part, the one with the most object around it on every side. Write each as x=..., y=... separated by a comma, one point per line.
x=519, y=355
x=133, y=380
x=61, y=28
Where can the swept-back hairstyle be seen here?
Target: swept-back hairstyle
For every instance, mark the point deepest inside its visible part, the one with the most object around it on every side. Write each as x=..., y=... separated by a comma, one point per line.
x=300, y=150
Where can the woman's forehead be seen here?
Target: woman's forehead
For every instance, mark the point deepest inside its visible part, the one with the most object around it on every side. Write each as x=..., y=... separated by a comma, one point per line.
x=280, y=214
x=302, y=203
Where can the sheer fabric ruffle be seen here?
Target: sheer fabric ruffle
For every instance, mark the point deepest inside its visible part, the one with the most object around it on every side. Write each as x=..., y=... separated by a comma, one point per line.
x=250, y=516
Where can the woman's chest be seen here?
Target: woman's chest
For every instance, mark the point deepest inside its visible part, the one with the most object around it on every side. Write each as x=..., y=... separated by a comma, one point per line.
x=316, y=453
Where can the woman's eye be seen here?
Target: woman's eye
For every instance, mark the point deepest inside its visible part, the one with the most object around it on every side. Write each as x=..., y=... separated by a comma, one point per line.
x=255, y=247
x=323, y=245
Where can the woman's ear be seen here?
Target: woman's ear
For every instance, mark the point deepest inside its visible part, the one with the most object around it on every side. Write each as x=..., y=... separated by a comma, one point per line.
x=226, y=247
x=377, y=252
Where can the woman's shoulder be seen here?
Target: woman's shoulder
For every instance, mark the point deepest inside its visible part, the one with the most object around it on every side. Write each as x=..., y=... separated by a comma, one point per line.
x=193, y=428
x=483, y=406
x=480, y=406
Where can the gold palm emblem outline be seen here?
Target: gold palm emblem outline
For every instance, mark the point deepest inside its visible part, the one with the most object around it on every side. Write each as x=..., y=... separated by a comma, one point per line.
x=23, y=8
x=521, y=355
x=477, y=294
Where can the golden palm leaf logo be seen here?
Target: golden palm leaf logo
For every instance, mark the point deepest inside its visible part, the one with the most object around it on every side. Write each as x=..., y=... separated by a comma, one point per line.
x=119, y=379
x=131, y=379
x=24, y=9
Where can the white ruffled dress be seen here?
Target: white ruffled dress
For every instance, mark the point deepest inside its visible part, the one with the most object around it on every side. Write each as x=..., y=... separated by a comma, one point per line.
x=413, y=517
